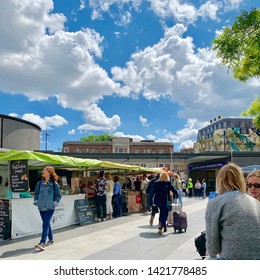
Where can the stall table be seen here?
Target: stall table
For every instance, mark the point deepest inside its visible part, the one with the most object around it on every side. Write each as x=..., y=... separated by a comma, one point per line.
x=25, y=218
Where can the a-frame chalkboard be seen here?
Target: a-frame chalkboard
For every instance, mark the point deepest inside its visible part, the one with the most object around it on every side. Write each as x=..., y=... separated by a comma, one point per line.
x=83, y=211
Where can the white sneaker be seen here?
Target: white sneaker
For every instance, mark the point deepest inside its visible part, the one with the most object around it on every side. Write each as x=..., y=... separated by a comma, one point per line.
x=40, y=246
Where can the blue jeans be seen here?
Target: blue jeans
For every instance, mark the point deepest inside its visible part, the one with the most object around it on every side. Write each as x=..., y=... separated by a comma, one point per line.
x=179, y=197
x=46, y=225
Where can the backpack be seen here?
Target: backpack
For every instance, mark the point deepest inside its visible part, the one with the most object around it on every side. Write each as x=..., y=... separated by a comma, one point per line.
x=200, y=244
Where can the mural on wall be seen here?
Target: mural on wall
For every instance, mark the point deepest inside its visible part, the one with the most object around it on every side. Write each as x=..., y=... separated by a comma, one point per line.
x=229, y=139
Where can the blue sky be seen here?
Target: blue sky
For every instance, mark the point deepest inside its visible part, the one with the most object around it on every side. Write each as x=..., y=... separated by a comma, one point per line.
x=140, y=69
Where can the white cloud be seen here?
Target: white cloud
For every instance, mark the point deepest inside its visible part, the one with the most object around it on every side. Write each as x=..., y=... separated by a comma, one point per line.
x=97, y=120
x=184, y=138
x=72, y=132
x=117, y=9
x=143, y=121
x=136, y=138
x=39, y=64
x=192, y=78
x=45, y=122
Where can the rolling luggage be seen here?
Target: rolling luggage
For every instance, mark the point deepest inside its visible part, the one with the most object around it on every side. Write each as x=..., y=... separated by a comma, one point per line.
x=180, y=221
x=175, y=208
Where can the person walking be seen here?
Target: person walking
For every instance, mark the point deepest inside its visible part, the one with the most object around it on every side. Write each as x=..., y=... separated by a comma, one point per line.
x=161, y=193
x=197, y=188
x=100, y=197
x=184, y=187
x=151, y=198
x=190, y=187
x=232, y=218
x=145, y=198
x=109, y=194
x=177, y=186
x=47, y=196
x=204, y=188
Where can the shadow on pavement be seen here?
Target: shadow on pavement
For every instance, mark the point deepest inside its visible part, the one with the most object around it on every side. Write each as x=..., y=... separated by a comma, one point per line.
x=151, y=235
x=19, y=252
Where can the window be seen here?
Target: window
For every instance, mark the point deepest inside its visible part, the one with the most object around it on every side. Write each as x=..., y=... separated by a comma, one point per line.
x=66, y=150
x=136, y=151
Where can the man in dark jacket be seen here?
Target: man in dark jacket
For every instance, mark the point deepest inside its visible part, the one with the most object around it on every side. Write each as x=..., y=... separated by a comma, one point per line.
x=151, y=198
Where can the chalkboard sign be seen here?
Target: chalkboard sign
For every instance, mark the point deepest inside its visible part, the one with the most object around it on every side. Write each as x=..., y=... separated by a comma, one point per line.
x=19, y=175
x=83, y=211
x=5, y=224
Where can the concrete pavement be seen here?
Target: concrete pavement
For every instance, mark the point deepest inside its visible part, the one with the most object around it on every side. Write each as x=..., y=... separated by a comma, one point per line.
x=126, y=238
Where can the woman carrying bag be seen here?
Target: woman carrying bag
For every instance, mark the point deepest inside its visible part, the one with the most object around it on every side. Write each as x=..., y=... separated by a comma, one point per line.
x=161, y=194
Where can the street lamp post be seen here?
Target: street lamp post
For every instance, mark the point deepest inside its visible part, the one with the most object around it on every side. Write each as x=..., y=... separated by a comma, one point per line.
x=46, y=139
x=224, y=132
x=171, y=151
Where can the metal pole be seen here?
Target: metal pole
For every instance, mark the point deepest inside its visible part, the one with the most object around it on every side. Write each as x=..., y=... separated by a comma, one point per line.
x=46, y=140
x=224, y=140
x=171, y=150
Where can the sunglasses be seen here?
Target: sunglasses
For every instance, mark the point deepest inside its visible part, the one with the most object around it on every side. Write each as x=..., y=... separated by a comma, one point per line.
x=250, y=185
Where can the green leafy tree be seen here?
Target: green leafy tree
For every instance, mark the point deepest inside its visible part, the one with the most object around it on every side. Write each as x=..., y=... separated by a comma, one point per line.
x=238, y=46
x=97, y=138
x=254, y=110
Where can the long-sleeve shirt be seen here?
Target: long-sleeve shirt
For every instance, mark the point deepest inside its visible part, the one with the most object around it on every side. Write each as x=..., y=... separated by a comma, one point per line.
x=117, y=188
x=233, y=226
x=161, y=192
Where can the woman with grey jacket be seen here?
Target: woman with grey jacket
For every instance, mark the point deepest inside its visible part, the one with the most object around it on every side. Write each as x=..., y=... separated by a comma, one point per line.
x=47, y=196
x=232, y=219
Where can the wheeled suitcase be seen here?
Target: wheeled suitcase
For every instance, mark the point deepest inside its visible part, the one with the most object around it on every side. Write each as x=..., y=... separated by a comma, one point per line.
x=175, y=208
x=180, y=221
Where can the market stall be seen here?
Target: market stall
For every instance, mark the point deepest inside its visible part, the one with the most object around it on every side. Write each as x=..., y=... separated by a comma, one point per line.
x=23, y=218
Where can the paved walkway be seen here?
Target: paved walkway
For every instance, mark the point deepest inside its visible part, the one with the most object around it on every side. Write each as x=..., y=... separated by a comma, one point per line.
x=125, y=238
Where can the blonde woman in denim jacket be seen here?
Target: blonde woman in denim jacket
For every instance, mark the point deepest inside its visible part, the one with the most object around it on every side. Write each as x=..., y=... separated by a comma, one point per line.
x=47, y=196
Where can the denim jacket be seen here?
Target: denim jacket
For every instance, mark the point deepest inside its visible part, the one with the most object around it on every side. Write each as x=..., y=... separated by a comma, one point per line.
x=47, y=197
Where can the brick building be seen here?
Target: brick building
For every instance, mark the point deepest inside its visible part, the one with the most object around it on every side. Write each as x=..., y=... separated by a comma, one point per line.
x=121, y=145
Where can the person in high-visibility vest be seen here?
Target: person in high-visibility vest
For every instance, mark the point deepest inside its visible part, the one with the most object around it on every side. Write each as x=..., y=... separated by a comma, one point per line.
x=190, y=187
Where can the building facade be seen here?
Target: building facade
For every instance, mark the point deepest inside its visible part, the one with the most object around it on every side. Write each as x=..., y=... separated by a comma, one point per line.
x=19, y=134
x=119, y=145
x=226, y=134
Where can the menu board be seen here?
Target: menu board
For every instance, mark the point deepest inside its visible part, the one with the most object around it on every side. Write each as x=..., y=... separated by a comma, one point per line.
x=19, y=175
x=5, y=229
x=83, y=211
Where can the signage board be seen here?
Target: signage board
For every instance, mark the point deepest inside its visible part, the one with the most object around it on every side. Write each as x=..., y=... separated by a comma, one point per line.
x=5, y=228
x=83, y=211
x=19, y=175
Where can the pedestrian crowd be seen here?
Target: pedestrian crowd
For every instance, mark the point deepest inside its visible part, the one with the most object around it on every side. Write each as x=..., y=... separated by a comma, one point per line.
x=232, y=215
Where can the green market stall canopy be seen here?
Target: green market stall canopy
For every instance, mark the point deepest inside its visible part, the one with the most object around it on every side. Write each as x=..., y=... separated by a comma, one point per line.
x=37, y=160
